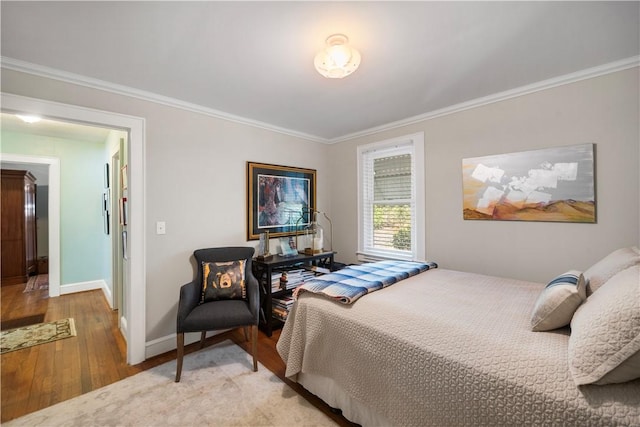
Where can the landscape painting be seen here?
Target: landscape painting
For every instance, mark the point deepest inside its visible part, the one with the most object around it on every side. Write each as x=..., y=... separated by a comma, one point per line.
x=553, y=184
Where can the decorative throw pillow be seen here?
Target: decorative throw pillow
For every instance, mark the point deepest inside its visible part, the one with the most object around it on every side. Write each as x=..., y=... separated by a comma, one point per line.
x=604, y=346
x=223, y=280
x=558, y=301
x=608, y=266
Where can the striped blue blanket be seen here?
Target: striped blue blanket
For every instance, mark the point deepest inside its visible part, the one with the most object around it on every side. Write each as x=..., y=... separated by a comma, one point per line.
x=351, y=283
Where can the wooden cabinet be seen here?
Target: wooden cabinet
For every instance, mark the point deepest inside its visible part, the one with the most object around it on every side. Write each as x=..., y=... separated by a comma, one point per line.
x=18, y=228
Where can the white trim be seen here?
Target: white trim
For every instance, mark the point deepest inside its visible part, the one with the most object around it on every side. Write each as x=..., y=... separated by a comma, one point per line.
x=419, y=228
x=589, y=73
x=107, y=294
x=53, y=212
x=123, y=327
x=91, y=285
x=168, y=342
x=52, y=73
x=136, y=292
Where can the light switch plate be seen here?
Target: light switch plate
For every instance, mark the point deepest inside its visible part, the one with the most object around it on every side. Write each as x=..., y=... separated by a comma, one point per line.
x=161, y=227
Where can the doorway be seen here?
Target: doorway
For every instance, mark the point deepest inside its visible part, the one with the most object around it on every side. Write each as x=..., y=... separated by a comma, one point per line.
x=134, y=295
x=52, y=165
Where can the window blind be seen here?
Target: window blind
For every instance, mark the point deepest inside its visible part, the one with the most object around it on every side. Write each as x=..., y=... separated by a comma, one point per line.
x=388, y=201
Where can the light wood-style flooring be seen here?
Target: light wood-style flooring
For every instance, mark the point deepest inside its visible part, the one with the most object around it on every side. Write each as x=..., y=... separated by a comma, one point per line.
x=41, y=376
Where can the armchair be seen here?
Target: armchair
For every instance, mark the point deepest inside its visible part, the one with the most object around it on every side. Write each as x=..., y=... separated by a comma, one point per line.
x=197, y=316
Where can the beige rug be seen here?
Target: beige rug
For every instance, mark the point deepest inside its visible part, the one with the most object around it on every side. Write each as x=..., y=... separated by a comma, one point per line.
x=218, y=388
x=40, y=333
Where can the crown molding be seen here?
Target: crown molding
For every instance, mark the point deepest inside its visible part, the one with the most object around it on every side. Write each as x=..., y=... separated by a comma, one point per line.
x=67, y=77
x=42, y=71
x=588, y=73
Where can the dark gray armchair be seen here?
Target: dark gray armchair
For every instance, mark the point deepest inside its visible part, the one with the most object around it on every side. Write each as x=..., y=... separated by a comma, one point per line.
x=222, y=314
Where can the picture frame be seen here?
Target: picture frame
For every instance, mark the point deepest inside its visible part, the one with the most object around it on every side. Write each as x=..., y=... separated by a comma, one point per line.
x=106, y=176
x=106, y=220
x=551, y=184
x=279, y=199
x=123, y=211
x=106, y=209
x=123, y=177
x=286, y=249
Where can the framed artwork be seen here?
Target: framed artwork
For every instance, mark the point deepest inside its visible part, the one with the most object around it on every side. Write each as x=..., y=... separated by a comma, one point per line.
x=123, y=177
x=123, y=211
x=552, y=184
x=285, y=247
x=106, y=209
x=106, y=175
x=279, y=199
x=106, y=220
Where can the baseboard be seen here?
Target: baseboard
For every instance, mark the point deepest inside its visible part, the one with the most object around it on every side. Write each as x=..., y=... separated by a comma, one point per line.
x=168, y=342
x=107, y=294
x=153, y=347
x=84, y=286
x=72, y=288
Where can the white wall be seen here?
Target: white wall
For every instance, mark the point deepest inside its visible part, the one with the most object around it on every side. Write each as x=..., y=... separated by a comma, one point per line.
x=602, y=110
x=195, y=181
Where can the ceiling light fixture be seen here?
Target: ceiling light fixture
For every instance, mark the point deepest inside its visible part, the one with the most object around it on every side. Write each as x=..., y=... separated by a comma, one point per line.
x=337, y=60
x=28, y=118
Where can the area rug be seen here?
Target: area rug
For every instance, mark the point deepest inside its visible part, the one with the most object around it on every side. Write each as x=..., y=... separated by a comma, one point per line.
x=40, y=333
x=218, y=388
x=36, y=283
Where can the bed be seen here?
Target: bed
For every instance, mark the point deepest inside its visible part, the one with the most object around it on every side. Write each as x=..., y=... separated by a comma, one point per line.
x=445, y=348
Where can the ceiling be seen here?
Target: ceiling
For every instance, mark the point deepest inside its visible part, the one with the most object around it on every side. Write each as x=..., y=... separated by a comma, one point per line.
x=253, y=61
x=55, y=128
x=48, y=128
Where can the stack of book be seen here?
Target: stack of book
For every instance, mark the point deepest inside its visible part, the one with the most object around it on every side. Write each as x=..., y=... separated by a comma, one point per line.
x=281, y=306
x=294, y=278
x=275, y=281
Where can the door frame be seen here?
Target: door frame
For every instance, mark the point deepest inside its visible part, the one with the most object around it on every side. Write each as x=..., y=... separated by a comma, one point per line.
x=116, y=241
x=135, y=294
x=53, y=212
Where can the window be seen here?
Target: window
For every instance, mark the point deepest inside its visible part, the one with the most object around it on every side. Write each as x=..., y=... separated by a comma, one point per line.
x=391, y=199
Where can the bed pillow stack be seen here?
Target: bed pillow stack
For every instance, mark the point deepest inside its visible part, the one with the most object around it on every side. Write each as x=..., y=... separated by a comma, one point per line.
x=559, y=300
x=604, y=346
x=609, y=266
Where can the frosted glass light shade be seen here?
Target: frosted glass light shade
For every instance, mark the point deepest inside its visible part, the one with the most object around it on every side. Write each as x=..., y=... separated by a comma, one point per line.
x=338, y=60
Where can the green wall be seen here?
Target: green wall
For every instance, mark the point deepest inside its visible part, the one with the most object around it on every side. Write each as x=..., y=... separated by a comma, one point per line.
x=84, y=247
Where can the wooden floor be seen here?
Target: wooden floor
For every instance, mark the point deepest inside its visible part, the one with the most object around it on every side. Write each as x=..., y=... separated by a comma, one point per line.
x=36, y=377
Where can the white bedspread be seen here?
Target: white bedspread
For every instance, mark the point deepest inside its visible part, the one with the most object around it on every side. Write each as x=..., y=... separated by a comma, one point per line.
x=449, y=348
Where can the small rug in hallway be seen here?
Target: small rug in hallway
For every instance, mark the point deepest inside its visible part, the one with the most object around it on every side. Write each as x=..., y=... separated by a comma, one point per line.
x=36, y=283
x=40, y=333
x=218, y=387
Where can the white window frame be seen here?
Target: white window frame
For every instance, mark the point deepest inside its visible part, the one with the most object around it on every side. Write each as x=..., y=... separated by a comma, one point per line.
x=413, y=143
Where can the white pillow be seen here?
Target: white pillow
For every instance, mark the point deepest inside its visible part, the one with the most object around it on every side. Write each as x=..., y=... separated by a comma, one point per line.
x=608, y=266
x=558, y=301
x=604, y=346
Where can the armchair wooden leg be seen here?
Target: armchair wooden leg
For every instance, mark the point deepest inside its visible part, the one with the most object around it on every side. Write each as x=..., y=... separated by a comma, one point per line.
x=203, y=335
x=246, y=333
x=254, y=346
x=180, y=355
